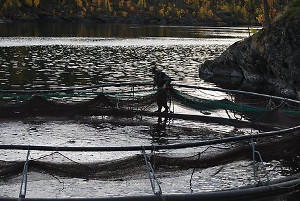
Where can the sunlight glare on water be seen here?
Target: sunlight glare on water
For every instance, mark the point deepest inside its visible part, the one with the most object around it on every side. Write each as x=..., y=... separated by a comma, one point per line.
x=111, y=42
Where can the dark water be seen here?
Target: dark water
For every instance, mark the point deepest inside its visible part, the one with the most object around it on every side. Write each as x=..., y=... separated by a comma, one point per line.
x=43, y=56
x=85, y=61
x=29, y=29
x=54, y=55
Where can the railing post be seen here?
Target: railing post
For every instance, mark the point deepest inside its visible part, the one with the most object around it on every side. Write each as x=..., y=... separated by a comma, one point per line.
x=151, y=174
x=22, y=193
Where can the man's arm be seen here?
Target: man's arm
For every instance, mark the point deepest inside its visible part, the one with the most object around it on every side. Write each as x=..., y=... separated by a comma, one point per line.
x=167, y=80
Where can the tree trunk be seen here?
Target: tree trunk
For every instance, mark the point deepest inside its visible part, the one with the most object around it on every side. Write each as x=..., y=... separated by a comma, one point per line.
x=266, y=13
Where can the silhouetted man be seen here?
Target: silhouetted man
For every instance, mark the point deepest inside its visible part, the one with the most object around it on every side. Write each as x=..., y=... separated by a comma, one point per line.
x=162, y=81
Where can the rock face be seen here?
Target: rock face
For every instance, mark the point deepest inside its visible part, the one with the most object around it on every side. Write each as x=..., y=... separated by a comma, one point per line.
x=272, y=56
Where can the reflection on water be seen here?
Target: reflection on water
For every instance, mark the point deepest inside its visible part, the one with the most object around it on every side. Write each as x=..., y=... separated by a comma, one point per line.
x=50, y=66
x=117, y=30
x=57, y=55
x=159, y=131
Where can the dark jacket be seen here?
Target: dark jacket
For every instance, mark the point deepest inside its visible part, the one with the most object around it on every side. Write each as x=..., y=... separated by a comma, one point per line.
x=161, y=78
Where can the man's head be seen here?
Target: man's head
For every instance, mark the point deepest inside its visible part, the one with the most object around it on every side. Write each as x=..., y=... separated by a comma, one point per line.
x=155, y=68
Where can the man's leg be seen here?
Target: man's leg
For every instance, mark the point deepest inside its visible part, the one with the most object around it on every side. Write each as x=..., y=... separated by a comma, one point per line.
x=159, y=100
x=164, y=96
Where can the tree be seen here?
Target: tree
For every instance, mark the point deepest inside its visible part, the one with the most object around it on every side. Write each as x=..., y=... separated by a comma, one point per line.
x=142, y=4
x=79, y=3
x=266, y=13
x=107, y=5
x=121, y=3
x=36, y=2
x=28, y=2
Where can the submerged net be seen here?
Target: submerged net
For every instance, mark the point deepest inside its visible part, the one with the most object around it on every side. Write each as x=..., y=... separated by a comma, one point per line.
x=47, y=105
x=129, y=99
x=285, y=150
x=280, y=152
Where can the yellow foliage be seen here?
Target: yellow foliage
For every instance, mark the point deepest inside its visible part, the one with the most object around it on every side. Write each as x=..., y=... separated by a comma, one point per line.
x=260, y=18
x=253, y=30
x=245, y=13
x=238, y=8
x=97, y=2
x=79, y=3
x=161, y=12
x=188, y=1
x=128, y=3
x=81, y=14
x=151, y=9
x=121, y=3
x=142, y=4
x=108, y=7
x=124, y=14
x=36, y=2
x=201, y=12
x=210, y=13
x=225, y=8
x=19, y=3
x=7, y=4
x=92, y=9
x=28, y=2
x=178, y=13
x=169, y=9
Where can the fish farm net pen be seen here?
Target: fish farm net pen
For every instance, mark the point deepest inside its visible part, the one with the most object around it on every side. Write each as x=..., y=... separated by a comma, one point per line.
x=151, y=147
x=243, y=110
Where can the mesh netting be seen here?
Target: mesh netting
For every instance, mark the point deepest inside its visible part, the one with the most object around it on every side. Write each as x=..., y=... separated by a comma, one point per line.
x=97, y=103
x=280, y=152
x=56, y=163
x=281, y=114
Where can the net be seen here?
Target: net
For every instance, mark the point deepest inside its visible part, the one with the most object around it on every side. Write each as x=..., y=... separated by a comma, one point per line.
x=285, y=150
x=95, y=103
x=279, y=152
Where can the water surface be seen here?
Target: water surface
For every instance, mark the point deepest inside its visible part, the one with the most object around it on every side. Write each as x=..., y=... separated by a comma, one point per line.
x=47, y=56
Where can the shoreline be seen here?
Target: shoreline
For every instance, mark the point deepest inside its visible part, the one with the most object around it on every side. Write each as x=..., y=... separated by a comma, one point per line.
x=136, y=21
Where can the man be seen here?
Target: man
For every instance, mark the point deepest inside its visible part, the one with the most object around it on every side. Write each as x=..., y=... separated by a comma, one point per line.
x=162, y=81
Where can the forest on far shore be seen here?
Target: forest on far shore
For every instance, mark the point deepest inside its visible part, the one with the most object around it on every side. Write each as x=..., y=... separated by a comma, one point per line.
x=193, y=12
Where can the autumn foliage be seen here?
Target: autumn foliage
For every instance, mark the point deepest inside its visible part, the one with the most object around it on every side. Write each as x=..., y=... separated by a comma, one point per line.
x=232, y=11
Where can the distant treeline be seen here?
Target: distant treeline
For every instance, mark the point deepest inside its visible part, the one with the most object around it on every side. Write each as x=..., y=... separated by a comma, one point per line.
x=142, y=11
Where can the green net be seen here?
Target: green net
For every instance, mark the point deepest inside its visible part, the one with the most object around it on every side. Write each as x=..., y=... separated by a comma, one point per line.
x=94, y=102
x=209, y=105
x=254, y=111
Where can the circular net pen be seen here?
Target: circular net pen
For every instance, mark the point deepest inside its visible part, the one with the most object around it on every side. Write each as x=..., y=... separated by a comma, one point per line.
x=214, y=144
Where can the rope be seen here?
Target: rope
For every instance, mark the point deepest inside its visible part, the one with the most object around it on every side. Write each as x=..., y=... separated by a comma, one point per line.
x=23, y=186
x=151, y=174
x=261, y=163
x=158, y=147
x=199, y=155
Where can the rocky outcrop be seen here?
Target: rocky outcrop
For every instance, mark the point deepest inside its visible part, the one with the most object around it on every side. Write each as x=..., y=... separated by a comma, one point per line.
x=272, y=56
